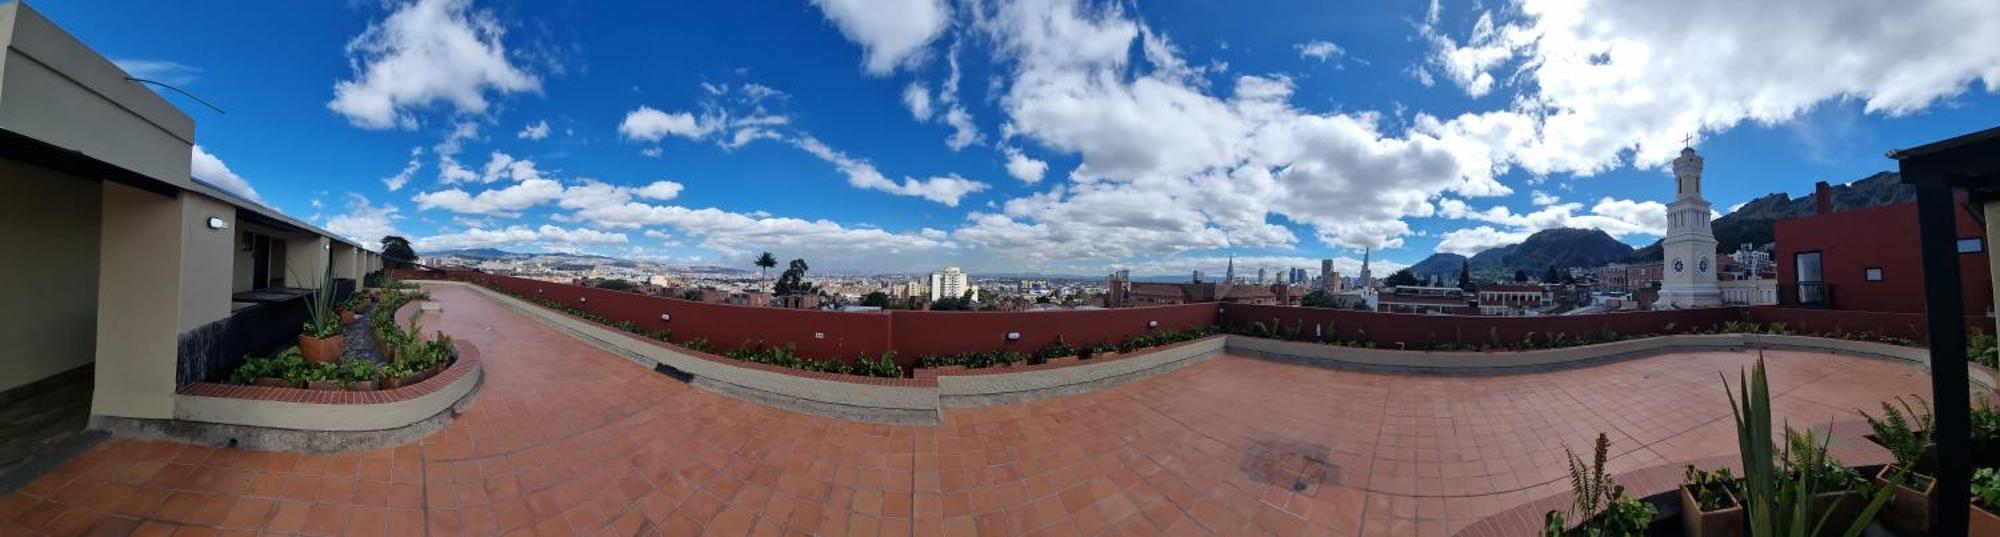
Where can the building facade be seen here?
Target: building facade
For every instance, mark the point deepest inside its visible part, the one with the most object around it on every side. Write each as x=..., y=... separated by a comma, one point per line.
x=1867, y=259
x=949, y=283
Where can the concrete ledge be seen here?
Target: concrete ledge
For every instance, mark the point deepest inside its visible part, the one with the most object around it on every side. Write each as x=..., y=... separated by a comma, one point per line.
x=963, y=391
x=1474, y=363
x=842, y=400
x=268, y=438
x=325, y=417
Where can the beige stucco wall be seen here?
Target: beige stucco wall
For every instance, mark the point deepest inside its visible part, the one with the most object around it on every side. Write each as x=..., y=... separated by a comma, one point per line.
x=242, y=259
x=1993, y=260
x=138, y=303
x=305, y=261
x=48, y=283
x=346, y=263
x=54, y=88
x=208, y=260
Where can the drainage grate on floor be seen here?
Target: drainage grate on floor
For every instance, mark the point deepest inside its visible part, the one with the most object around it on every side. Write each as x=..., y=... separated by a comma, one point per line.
x=1299, y=466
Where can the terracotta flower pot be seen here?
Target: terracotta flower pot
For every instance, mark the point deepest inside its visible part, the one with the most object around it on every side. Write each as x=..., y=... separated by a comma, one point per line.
x=389, y=384
x=361, y=386
x=1909, y=512
x=1843, y=515
x=346, y=318
x=323, y=385
x=272, y=382
x=1982, y=523
x=320, y=349
x=1724, y=522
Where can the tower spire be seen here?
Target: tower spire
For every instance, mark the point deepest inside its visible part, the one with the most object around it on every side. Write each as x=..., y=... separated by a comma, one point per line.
x=1230, y=275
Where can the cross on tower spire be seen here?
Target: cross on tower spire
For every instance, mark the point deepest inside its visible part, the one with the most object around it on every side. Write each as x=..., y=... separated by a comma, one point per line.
x=1688, y=141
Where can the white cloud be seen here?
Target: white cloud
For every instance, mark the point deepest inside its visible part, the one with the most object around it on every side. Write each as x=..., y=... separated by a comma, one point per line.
x=948, y=189
x=504, y=166
x=535, y=131
x=963, y=131
x=364, y=223
x=547, y=236
x=647, y=124
x=1542, y=199
x=449, y=170
x=1319, y=50
x=1024, y=167
x=396, y=182
x=174, y=73
x=918, y=100
x=892, y=33
x=737, y=234
x=659, y=190
x=508, y=201
x=211, y=170
x=1599, y=78
x=1169, y=165
x=426, y=51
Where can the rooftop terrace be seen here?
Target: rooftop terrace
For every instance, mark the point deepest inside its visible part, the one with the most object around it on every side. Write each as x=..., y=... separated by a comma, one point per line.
x=568, y=438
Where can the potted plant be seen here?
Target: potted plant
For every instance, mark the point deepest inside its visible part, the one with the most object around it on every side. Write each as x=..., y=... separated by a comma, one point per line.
x=1906, y=432
x=1772, y=493
x=1985, y=502
x=359, y=374
x=1834, y=490
x=394, y=376
x=1600, y=505
x=1708, y=504
x=319, y=338
x=348, y=308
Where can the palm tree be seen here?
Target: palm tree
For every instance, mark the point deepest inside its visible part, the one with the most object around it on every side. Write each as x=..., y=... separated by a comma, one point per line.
x=764, y=263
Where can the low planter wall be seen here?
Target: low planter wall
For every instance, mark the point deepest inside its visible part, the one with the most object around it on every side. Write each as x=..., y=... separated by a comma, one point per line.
x=295, y=419
x=987, y=389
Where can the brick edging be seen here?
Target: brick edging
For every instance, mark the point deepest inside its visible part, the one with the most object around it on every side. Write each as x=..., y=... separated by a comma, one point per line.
x=468, y=359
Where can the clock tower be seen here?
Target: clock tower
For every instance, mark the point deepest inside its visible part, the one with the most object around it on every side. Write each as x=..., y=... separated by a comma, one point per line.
x=1689, y=247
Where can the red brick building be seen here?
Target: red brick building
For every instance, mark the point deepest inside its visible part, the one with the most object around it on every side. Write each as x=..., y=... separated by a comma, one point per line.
x=1867, y=259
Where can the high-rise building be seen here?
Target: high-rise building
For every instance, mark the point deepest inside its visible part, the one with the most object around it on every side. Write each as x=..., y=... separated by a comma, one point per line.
x=1197, y=276
x=950, y=283
x=1363, y=279
x=1327, y=280
x=1260, y=276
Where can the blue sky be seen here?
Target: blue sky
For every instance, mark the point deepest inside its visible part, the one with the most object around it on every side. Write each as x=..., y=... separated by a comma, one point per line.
x=1067, y=136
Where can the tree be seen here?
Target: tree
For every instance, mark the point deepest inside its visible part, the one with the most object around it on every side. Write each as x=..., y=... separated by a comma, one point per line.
x=1402, y=277
x=950, y=304
x=397, y=249
x=1520, y=276
x=1552, y=276
x=764, y=262
x=877, y=299
x=1044, y=299
x=792, y=282
x=691, y=294
x=615, y=285
x=1465, y=275
x=1318, y=299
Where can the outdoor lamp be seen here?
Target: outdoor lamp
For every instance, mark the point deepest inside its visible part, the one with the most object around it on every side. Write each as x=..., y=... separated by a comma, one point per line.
x=664, y=317
x=1013, y=336
x=216, y=222
x=1152, y=324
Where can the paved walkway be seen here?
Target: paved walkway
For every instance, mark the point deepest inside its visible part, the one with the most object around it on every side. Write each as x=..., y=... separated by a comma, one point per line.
x=567, y=439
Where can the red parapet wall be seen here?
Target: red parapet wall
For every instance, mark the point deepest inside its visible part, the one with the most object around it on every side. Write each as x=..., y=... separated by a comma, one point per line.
x=844, y=335
x=1401, y=330
x=1910, y=326
x=918, y=333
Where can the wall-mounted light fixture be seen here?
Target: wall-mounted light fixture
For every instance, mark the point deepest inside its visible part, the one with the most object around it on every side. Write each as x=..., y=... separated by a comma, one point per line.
x=819, y=335
x=665, y=317
x=582, y=299
x=1152, y=324
x=1013, y=336
x=216, y=222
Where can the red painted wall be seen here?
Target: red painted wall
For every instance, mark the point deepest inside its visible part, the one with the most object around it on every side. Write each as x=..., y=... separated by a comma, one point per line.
x=918, y=333
x=1400, y=330
x=1852, y=241
x=831, y=334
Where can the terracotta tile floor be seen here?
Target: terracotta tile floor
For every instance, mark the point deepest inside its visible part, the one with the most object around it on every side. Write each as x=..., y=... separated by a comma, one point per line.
x=566, y=439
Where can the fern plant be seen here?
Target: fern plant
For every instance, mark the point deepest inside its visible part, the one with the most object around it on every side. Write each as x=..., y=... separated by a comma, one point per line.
x=1894, y=429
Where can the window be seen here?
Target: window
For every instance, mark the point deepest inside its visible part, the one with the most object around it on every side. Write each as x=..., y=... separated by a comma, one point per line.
x=1971, y=245
x=1873, y=274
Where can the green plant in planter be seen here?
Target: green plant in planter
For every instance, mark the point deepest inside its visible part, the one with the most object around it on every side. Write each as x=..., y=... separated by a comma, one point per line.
x=358, y=370
x=1528, y=341
x=698, y=345
x=1712, y=489
x=1986, y=488
x=255, y=368
x=627, y=326
x=1055, y=349
x=885, y=366
x=1604, y=506
x=1777, y=498
x=1906, y=441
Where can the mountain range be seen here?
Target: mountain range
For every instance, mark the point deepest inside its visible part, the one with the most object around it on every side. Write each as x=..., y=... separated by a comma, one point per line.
x=1752, y=223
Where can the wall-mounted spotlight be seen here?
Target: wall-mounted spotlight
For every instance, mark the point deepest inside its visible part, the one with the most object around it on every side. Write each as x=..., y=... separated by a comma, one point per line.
x=1013, y=336
x=216, y=222
x=1152, y=324
x=582, y=299
x=665, y=317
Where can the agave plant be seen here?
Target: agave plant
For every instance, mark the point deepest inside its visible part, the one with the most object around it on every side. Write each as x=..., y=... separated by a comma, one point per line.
x=1778, y=502
x=322, y=317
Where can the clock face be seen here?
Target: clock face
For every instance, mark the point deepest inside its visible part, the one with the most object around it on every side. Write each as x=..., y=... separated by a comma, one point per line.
x=1678, y=266
x=1703, y=265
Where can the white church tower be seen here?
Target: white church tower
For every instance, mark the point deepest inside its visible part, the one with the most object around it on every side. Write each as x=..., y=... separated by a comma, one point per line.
x=1689, y=247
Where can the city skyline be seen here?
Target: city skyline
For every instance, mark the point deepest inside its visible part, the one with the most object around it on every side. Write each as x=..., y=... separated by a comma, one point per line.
x=1159, y=137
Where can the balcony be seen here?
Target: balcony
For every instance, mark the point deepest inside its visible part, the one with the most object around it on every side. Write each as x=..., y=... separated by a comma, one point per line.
x=1808, y=295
